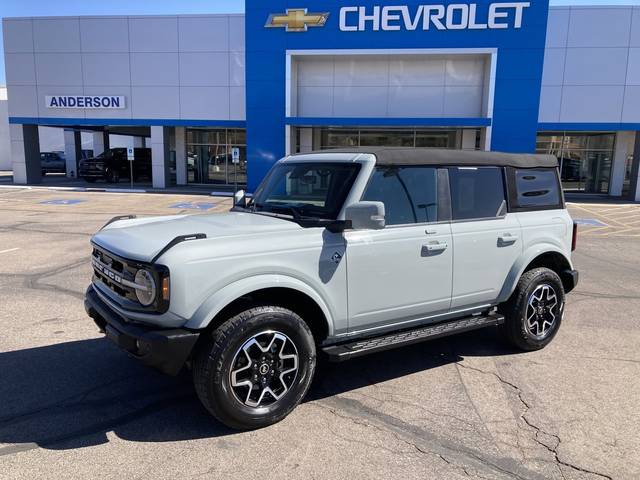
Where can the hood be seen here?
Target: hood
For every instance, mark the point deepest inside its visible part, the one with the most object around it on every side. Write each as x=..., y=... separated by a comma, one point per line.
x=142, y=238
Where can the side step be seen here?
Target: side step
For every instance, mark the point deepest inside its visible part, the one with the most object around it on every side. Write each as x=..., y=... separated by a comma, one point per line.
x=344, y=351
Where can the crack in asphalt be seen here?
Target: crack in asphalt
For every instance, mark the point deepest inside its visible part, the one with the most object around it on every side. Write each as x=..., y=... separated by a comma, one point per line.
x=19, y=228
x=437, y=445
x=537, y=429
x=605, y=295
x=33, y=280
x=396, y=435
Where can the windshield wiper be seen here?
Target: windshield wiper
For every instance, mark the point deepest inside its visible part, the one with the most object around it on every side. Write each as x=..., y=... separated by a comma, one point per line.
x=295, y=213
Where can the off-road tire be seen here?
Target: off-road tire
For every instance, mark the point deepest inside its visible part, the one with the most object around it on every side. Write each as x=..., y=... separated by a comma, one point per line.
x=516, y=328
x=214, y=361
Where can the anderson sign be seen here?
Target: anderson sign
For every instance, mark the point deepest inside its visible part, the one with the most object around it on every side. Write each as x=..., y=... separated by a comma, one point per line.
x=455, y=16
x=84, y=101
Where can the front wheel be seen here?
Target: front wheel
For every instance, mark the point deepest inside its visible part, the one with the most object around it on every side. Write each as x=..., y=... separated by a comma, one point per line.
x=256, y=367
x=534, y=311
x=113, y=176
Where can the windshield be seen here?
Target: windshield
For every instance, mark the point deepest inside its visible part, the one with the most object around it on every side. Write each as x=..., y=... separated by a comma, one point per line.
x=315, y=190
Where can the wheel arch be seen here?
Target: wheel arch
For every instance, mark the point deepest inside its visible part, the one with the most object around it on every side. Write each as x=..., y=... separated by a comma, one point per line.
x=277, y=290
x=542, y=255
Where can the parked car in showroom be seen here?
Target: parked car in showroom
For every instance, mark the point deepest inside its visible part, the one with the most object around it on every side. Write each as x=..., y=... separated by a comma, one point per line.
x=248, y=299
x=113, y=165
x=53, y=162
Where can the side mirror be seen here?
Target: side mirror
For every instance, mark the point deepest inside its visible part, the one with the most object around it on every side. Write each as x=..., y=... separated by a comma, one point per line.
x=240, y=199
x=366, y=215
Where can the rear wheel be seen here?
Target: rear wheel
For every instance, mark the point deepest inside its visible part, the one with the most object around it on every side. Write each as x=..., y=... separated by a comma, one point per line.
x=534, y=312
x=256, y=367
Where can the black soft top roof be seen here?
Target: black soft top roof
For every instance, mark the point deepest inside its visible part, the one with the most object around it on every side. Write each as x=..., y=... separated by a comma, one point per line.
x=432, y=156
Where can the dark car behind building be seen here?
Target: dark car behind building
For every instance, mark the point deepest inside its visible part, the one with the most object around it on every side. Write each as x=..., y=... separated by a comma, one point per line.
x=112, y=165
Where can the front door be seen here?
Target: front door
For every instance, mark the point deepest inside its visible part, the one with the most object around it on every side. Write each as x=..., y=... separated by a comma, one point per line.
x=401, y=274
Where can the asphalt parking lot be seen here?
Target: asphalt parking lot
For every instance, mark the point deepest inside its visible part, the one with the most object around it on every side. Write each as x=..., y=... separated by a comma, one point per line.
x=73, y=406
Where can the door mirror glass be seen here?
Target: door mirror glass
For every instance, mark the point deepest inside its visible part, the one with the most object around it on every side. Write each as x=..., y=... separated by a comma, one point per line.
x=366, y=215
x=240, y=199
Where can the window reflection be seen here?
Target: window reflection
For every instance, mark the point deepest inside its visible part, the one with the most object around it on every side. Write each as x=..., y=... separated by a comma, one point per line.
x=209, y=156
x=585, y=158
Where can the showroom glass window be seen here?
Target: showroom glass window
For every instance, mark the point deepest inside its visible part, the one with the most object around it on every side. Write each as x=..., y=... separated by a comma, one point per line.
x=335, y=137
x=585, y=158
x=209, y=156
x=409, y=194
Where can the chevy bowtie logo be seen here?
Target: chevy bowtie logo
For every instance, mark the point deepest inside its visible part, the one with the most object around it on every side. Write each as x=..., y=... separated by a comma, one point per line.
x=297, y=20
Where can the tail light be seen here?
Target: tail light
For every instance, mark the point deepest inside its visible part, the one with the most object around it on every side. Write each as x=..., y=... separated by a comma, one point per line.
x=574, y=238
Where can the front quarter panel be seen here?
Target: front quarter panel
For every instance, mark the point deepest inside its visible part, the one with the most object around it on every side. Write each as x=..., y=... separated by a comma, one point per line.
x=209, y=274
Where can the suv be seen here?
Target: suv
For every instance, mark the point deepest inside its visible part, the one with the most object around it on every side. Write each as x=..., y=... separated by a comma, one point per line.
x=112, y=164
x=341, y=253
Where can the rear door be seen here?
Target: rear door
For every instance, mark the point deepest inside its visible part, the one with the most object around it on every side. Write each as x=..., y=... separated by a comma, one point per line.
x=402, y=273
x=486, y=238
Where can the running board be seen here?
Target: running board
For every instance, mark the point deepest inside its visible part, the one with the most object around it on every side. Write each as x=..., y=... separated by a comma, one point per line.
x=344, y=351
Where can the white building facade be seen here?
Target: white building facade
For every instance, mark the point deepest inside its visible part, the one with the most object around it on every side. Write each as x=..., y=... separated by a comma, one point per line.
x=516, y=76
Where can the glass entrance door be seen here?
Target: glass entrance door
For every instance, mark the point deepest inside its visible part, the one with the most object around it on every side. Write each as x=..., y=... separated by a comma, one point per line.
x=209, y=156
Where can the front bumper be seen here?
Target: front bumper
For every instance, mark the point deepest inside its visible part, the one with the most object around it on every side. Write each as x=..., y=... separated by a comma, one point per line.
x=166, y=350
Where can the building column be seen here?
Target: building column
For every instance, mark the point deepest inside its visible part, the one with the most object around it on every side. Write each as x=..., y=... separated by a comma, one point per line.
x=72, y=151
x=160, y=155
x=306, y=140
x=289, y=138
x=623, y=148
x=25, y=154
x=468, y=139
x=485, y=138
x=181, y=156
x=634, y=180
x=100, y=142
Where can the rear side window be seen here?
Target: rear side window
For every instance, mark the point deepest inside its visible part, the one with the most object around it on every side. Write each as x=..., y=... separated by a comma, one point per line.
x=477, y=192
x=537, y=188
x=409, y=194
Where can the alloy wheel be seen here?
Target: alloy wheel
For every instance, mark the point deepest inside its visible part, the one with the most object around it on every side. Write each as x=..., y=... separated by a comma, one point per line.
x=543, y=309
x=264, y=369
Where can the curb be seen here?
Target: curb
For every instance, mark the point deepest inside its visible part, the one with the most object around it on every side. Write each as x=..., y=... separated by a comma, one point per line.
x=117, y=190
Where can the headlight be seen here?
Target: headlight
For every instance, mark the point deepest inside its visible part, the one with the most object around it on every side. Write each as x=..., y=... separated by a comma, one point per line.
x=147, y=293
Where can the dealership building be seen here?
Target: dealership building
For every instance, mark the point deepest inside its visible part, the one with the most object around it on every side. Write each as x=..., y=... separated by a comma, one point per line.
x=298, y=76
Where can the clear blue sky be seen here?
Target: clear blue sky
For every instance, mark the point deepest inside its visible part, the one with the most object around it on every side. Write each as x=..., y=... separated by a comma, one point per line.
x=34, y=8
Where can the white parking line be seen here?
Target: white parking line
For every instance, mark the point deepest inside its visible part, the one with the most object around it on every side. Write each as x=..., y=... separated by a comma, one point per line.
x=9, y=250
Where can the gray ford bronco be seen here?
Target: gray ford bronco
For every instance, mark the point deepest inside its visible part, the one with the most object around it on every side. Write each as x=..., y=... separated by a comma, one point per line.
x=338, y=254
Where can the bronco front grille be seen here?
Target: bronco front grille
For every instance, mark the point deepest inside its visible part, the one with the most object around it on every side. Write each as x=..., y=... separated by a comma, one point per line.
x=114, y=273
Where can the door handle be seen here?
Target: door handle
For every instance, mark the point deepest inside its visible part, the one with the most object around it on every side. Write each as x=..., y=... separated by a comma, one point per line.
x=435, y=247
x=507, y=239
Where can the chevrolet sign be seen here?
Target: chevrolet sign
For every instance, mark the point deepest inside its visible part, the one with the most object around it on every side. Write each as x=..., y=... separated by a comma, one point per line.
x=85, y=101
x=455, y=16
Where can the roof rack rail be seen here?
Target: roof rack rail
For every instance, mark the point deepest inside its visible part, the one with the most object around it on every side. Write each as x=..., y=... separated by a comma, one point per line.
x=176, y=241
